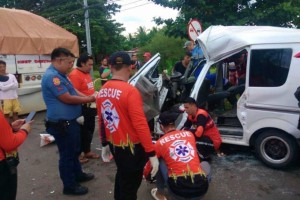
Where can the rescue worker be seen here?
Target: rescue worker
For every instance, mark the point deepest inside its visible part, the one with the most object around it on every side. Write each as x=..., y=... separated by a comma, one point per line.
x=11, y=137
x=63, y=108
x=202, y=125
x=179, y=166
x=82, y=82
x=123, y=128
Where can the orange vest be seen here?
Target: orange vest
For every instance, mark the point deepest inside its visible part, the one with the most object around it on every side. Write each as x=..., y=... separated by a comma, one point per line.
x=210, y=129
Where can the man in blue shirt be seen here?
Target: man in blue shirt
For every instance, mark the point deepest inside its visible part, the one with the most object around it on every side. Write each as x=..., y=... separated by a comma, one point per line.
x=197, y=53
x=63, y=108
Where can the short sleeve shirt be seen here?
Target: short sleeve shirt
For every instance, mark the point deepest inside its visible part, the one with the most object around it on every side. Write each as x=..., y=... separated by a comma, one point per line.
x=55, y=84
x=179, y=67
x=82, y=81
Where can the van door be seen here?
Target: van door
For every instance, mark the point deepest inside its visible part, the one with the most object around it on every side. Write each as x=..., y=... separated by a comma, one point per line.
x=272, y=82
x=149, y=83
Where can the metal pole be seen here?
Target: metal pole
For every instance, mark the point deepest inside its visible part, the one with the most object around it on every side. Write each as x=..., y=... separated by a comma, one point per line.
x=87, y=31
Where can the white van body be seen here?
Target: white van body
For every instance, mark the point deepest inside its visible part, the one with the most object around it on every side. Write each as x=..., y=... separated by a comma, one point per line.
x=266, y=114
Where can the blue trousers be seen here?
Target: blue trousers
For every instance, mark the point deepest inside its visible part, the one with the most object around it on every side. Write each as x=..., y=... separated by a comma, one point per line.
x=68, y=142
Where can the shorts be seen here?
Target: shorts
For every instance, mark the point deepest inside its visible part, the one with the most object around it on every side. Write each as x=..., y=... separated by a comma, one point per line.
x=11, y=105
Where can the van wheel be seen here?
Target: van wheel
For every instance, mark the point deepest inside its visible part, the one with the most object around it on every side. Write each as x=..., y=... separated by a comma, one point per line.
x=276, y=149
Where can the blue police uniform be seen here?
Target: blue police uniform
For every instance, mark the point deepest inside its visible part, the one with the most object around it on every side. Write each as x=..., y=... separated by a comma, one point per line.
x=61, y=123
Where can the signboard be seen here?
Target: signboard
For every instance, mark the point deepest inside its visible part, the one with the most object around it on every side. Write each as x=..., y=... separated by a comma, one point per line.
x=194, y=29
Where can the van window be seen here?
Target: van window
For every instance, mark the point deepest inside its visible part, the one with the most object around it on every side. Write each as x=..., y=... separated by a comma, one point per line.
x=269, y=67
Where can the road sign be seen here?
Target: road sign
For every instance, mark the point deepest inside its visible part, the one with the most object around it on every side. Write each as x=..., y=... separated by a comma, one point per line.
x=194, y=29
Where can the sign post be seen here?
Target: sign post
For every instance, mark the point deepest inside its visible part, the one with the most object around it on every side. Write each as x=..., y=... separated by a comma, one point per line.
x=194, y=29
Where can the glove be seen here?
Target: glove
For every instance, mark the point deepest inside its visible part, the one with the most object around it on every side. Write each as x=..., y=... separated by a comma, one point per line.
x=154, y=163
x=106, y=154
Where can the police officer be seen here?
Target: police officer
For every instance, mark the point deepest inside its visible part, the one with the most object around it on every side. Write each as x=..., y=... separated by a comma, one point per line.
x=63, y=108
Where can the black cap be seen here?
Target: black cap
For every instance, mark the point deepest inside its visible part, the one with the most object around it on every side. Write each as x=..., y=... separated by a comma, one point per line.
x=3, y=78
x=190, y=100
x=168, y=117
x=120, y=57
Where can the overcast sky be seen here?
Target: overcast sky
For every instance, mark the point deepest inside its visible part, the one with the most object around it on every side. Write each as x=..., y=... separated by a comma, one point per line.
x=136, y=13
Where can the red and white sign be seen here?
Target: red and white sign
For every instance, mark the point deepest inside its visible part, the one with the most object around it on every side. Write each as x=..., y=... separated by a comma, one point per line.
x=194, y=29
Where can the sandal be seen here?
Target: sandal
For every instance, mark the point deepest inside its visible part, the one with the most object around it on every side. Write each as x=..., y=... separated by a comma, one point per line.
x=83, y=160
x=91, y=155
x=154, y=194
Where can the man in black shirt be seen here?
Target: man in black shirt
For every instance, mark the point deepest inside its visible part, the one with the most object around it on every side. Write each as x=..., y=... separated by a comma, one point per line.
x=182, y=65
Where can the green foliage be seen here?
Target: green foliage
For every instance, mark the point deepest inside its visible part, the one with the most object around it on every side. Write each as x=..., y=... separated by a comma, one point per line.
x=170, y=49
x=284, y=13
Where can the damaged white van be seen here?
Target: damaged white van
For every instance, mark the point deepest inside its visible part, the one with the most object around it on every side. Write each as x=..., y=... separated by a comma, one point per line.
x=247, y=83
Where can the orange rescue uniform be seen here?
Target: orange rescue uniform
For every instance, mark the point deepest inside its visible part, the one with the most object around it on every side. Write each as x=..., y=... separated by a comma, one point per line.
x=9, y=141
x=209, y=130
x=120, y=111
x=178, y=149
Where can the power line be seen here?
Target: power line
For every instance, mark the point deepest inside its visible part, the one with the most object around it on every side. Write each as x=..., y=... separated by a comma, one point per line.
x=135, y=6
x=95, y=5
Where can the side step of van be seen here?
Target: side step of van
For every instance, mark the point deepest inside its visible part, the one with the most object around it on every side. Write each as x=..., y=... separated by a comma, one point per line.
x=232, y=131
x=230, y=121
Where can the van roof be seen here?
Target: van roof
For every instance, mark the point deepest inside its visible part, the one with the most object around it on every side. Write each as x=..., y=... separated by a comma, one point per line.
x=23, y=32
x=220, y=41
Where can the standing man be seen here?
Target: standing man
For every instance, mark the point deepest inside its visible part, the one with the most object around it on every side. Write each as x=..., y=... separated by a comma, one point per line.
x=135, y=62
x=147, y=56
x=202, y=125
x=124, y=129
x=63, y=108
x=11, y=137
x=9, y=94
x=82, y=82
x=197, y=55
x=179, y=168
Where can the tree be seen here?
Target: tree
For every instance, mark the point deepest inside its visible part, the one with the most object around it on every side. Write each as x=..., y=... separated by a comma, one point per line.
x=170, y=49
x=284, y=13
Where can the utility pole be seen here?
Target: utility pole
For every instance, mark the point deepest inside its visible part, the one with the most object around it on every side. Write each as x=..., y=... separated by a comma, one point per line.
x=87, y=30
x=87, y=27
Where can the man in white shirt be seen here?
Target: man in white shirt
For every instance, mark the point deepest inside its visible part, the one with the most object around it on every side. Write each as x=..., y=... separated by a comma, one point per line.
x=9, y=94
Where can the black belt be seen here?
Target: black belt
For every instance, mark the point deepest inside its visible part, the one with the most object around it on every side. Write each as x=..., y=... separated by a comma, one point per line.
x=87, y=105
x=59, y=122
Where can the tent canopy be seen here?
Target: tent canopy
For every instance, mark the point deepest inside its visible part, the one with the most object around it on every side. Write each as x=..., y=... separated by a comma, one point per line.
x=219, y=41
x=23, y=32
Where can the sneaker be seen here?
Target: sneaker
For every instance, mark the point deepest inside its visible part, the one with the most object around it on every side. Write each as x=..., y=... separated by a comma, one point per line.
x=83, y=177
x=77, y=190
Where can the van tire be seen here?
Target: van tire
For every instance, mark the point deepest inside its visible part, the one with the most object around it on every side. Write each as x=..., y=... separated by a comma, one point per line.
x=276, y=149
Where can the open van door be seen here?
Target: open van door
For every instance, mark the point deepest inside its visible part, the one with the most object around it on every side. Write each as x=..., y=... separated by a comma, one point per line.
x=150, y=84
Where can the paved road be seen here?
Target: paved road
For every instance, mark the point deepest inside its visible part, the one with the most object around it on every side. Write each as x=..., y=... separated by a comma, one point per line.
x=237, y=176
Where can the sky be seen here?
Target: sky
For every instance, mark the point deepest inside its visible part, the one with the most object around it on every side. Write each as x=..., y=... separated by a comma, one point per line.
x=136, y=13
